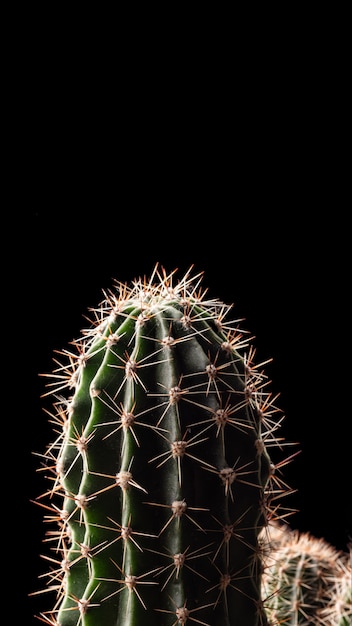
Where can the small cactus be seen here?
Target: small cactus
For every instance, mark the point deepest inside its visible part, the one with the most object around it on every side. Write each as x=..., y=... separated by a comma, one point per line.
x=160, y=480
x=306, y=581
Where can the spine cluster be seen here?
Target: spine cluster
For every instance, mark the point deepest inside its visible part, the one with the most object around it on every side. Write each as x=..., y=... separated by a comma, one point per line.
x=159, y=476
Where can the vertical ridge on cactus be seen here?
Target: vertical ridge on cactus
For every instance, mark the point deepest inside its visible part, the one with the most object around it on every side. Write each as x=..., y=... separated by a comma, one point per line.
x=160, y=476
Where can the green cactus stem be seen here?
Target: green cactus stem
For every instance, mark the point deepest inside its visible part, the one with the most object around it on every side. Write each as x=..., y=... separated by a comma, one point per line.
x=160, y=479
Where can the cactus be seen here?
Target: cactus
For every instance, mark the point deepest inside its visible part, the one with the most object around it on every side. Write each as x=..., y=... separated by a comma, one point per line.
x=339, y=609
x=306, y=581
x=160, y=479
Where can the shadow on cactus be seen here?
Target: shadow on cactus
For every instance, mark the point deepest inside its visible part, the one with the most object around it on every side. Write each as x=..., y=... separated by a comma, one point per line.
x=160, y=477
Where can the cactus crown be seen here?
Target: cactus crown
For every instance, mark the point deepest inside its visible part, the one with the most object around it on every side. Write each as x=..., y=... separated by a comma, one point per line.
x=160, y=479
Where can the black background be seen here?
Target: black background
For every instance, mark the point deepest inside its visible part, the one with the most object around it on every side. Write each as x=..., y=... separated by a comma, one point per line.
x=237, y=168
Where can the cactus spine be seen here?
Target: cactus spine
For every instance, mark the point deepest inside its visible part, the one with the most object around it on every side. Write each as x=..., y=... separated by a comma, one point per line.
x=160, y=477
